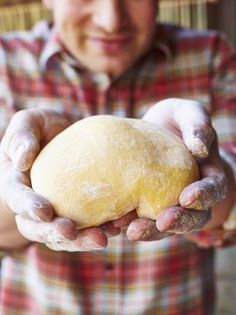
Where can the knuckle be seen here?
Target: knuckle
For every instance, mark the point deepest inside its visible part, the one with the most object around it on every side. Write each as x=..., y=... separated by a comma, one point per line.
x=206, y=192
x=19, y=199
x=24, y=228
x=53, y=237
x=215, y=189
x=202, y=131
x=191, y=220
x=200, y=218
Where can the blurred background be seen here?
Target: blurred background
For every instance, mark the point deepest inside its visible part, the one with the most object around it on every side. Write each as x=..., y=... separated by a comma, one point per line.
x=200, y=14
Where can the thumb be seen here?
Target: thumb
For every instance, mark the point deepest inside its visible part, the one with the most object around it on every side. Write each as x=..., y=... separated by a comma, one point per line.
x=26, y=131
x=195, y=126
x=187, y=119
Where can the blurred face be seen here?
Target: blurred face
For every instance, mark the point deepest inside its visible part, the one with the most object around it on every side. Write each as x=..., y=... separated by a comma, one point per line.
x=105, y=35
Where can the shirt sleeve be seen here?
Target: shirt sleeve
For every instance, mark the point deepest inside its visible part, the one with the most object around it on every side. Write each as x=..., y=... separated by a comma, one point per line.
x=6, y=96
x=224, y=105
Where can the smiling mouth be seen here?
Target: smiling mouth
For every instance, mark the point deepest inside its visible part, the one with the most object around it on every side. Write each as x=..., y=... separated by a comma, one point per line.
x=110, y=44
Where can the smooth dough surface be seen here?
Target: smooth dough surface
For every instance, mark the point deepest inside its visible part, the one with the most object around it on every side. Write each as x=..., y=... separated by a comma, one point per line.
x=103, y=167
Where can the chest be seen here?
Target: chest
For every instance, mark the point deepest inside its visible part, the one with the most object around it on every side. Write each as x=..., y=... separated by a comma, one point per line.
x=77, y=95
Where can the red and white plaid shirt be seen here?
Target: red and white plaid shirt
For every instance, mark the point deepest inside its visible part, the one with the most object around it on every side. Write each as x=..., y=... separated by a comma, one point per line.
x=168, y=277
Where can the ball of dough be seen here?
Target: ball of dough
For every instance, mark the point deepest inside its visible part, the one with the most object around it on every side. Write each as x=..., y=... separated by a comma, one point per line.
x=103, y=167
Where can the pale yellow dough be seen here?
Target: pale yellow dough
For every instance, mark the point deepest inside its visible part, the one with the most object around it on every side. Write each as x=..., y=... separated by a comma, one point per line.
x=103, y=167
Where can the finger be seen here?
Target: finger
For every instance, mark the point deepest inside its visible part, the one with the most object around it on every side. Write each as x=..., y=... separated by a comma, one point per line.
x=27, y=129
x=62, y=235
x=187, y=119
x=21, y=141
x=143, y=229
x=65, y=227
x=195, y=125
x=125, y=220
x=180, y=220
x=59, y=229
x=109, y=229
x=20, y=198
x=42, y=232
x=205, y=193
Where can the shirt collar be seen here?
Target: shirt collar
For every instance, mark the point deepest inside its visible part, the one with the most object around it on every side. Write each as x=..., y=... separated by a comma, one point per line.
x=53, y=46
x=163, y=41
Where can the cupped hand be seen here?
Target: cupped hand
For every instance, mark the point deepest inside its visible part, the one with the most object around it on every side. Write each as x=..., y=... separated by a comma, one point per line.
x=27, y=133
x=190, y=121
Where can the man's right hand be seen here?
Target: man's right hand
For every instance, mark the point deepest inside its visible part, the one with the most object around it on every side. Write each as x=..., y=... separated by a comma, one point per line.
x=27, y=133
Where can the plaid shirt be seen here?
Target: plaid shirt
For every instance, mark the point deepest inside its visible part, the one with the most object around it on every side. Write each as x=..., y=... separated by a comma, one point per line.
x=172, y=276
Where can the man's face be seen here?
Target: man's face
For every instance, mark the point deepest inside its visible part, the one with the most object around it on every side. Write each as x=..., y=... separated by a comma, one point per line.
x=105, y=35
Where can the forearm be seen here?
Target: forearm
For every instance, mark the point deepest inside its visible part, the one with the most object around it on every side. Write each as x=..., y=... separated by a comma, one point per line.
x=222, y=209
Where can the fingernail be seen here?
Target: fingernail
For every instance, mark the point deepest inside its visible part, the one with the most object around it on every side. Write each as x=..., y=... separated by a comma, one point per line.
x=89, y=244
x=200, y=140
x=163, y=225
x=190, y=199
x=133, y=234
x=197, y=147
x=193, y=203
x=187, y=199
x=167, y=218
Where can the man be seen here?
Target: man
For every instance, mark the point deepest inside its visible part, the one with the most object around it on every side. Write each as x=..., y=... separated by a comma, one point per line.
x=109, y=56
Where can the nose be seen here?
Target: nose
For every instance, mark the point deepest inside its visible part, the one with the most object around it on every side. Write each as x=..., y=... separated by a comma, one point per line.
x=110, y=15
